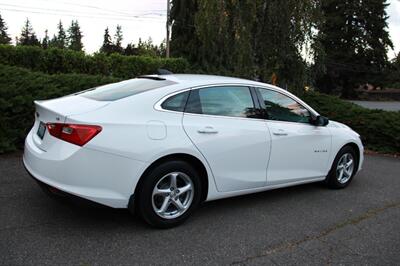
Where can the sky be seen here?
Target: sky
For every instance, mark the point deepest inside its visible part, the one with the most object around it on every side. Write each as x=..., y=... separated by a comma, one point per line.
x=138, y=18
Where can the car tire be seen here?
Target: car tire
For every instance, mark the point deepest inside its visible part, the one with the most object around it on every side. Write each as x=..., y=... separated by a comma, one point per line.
x=164, y=203
x=343, y=169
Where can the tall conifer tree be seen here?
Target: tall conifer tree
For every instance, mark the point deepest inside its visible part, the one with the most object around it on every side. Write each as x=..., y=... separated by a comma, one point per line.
x=118, y=37
x=4, y=38
x=46, y=40
x=107, y=46
x=354, y=44
x=28, y=36
x=75, y=37
x=61, y=38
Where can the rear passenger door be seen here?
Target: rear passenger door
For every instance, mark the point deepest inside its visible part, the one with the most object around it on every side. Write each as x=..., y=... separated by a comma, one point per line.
x=223, y=123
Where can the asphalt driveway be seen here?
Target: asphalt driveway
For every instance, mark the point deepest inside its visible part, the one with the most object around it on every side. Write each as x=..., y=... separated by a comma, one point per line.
x=386, y=106
x=307, y=224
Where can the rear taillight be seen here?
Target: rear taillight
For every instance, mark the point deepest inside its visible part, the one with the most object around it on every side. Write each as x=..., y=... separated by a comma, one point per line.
x=73, y=133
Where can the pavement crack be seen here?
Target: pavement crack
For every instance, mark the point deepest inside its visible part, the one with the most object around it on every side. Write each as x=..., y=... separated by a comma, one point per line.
x=292, y=244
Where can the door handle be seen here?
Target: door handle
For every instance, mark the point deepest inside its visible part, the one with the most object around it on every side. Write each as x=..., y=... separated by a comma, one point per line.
x=207, y=130
x=280, y=132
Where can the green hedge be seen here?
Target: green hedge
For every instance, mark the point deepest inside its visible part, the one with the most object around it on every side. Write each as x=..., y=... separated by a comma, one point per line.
x=20, y=87
x=55, y=61
x=379, y=130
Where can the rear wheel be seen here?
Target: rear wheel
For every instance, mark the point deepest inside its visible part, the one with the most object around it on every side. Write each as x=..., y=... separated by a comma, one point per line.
x=169, y=194
x=343, y=169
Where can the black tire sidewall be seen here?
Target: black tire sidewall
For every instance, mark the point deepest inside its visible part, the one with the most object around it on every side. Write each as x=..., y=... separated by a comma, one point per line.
x=144, y=199
x=331, y=179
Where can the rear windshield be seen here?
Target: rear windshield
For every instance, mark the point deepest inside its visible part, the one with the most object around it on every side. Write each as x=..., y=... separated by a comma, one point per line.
x=116, y=91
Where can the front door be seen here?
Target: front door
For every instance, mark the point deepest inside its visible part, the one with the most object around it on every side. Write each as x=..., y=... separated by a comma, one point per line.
x=300, y=151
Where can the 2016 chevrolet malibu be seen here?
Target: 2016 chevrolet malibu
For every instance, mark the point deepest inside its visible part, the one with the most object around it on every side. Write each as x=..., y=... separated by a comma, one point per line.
x=162, y=144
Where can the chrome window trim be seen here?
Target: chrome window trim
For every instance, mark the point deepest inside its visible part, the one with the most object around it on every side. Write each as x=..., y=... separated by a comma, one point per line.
x=158, y=107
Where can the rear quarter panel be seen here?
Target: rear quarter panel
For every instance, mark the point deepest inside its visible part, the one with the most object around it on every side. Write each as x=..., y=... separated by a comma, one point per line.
x=133, y=128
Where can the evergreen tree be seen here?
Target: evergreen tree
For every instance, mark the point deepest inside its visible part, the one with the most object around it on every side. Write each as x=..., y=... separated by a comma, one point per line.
x=280, y=34
x=4, y=38
x=248, y=38
x=46, y=40
x=354, y=44
x=107, y=46
x=53, y=41
x=392, y=74
x=184, y=40
x=396, y=62
x=131, y=49
x=75, y=37
x=28, y=36
x=377, y=39
x=61, y=38
x=118, y=37
x=238, y=45
x=161, y=50
x=147, y=48
x=211, y=27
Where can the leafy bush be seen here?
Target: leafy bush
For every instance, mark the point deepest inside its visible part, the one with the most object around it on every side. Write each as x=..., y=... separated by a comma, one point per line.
x=379, y=129
x=20, y=87
x=55, y=61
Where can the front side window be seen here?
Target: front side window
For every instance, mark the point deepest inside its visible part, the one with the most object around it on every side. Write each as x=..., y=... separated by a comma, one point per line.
x=283, y=108
x=232, y=101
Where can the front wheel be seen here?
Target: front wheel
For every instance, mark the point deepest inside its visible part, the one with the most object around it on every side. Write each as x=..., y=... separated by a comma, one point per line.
x=343, y=168
x=169, y=194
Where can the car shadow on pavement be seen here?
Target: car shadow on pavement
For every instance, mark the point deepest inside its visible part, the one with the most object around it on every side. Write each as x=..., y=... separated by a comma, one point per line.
x=81, y=214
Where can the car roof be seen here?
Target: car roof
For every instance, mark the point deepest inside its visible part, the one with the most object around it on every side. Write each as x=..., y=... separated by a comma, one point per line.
x=197, y=80
x=193, y=80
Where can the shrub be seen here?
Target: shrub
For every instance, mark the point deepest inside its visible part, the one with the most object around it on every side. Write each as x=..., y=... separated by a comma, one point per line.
x=20, y=87
x=55, y=61
x=379, y=129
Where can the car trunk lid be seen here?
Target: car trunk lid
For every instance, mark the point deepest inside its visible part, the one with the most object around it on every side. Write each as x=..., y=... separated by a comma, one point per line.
x=56, y=111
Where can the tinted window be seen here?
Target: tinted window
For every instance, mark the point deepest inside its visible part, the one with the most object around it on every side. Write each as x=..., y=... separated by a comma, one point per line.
x=221, y=101
x=283, y=108
x=176, y=102
x=116, y=91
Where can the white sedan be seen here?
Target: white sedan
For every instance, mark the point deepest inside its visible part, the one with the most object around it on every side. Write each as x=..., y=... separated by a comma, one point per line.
x=160, y=145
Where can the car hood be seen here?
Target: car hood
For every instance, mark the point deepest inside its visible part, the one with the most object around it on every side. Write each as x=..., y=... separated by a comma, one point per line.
x=337, y=124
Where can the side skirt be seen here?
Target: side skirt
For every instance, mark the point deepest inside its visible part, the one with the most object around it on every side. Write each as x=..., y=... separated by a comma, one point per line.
x=222, y=195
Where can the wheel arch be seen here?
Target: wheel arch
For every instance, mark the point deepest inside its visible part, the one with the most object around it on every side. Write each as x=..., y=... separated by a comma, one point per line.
x=356, y=149
x=192, y=160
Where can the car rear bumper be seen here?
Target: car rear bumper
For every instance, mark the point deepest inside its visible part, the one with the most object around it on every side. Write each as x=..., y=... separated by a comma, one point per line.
x=52, y=191
x=98, y=176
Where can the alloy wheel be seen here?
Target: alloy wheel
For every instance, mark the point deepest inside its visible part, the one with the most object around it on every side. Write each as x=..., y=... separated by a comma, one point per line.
x=172, y=195
x=345, y=168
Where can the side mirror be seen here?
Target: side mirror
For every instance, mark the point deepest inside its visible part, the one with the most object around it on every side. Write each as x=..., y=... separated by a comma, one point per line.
x=320, y=121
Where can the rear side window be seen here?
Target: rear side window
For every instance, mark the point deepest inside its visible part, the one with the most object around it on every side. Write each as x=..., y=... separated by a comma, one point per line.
x=176, y=102
x=232, y=101
x=116, y=91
